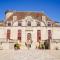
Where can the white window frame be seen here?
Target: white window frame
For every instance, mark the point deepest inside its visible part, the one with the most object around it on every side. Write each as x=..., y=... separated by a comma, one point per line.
x=14, y=18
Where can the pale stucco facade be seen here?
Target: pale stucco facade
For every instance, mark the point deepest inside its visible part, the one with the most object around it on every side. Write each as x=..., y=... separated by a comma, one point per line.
x=55, y=31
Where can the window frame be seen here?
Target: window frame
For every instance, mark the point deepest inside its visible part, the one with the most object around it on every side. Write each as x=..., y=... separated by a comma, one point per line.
x=29, y=23
x=38, y=35
x=8, y=33
x=19, y=35
x=49, y=24
x=19, y=23
x=38, y=24
x=9, y=23
x=14, y=18
x=49, y=34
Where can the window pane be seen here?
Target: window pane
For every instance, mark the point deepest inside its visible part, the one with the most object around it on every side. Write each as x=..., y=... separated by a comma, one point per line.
x=38, y=23
x=19, y=35
x=29, y=23
x=9, y=24
x=8, y=34
x=49, y=34
x=19, y=24
x=38, y=35
x=28, y=36
x=49, y=24
x=14, y=18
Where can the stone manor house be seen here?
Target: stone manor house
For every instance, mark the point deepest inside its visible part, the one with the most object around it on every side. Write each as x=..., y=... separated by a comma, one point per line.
x=25, y=26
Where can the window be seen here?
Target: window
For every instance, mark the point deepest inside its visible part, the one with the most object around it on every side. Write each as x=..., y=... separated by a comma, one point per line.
x=19, y=35
x=38, y=35
x=29, y=36
x=49, y=23
x=14, y=18
x=49, y=34
x=9, y=24
x=29, y=23
x=8, y=34
x=38, y=23
x=19, y=24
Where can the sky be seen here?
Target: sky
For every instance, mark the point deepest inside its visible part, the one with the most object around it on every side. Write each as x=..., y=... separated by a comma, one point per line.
x=50, y=7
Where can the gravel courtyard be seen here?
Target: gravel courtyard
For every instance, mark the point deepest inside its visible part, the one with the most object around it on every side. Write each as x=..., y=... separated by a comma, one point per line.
x=30, y=54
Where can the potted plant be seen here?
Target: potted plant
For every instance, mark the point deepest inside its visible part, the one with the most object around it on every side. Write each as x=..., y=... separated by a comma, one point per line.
x=16, y=46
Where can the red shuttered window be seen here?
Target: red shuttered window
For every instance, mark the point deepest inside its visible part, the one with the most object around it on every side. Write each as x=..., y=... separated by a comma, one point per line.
x=38, y=35
x=8, y=34
x=49, y=34
x=19, y=35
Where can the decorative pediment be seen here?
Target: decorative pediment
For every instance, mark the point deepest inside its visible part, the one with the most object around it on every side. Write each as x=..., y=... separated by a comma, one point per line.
x=28, y=18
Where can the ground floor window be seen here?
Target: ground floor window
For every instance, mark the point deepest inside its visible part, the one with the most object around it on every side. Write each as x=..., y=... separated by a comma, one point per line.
x=8, y=34
x=49, y=34
x=38, y=35
x=19, y=35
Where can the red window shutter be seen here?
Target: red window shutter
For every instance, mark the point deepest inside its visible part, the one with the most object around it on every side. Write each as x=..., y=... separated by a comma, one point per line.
x=38, y=35
x=19, y=35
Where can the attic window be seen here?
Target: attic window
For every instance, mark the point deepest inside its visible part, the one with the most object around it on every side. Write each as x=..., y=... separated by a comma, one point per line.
x=19, y=24
x=29, y=23
x=49, y=23
x=38, y=23
x=14, y=18
x=9, y=24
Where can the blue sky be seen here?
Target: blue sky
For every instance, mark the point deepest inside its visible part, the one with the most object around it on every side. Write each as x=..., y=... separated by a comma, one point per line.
x=50, y=7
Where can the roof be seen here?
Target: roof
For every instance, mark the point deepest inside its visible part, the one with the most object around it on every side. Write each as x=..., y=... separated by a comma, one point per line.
x=34, y=14
x=21, y=15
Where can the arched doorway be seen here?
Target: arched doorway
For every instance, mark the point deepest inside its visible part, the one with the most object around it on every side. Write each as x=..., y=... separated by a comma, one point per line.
x=28, y=36
x=28, y=41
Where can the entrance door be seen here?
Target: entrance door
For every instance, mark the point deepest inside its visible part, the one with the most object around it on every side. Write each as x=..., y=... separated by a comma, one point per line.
x=28, y=37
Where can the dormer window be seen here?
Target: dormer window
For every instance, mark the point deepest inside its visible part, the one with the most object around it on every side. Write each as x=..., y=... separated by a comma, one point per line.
x=49, y=23
x=14, y=18
x=38, y=23
x=29, y=23
x=19, y=24
x=9, y=24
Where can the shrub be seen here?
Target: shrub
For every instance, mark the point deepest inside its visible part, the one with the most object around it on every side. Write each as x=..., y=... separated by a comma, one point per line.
x=16, y=46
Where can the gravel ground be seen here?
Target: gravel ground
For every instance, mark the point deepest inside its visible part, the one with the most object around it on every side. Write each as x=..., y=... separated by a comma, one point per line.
x=30, y=54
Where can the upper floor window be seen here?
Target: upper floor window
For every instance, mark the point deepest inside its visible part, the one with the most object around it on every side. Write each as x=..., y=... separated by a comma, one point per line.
x=9, y=24
x=19, y=24
x=14, y=18
x=38, y=23
x=29, y=23
x=49, y=23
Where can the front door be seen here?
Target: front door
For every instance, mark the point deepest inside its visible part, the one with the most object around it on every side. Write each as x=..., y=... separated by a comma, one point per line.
x=28, y=39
